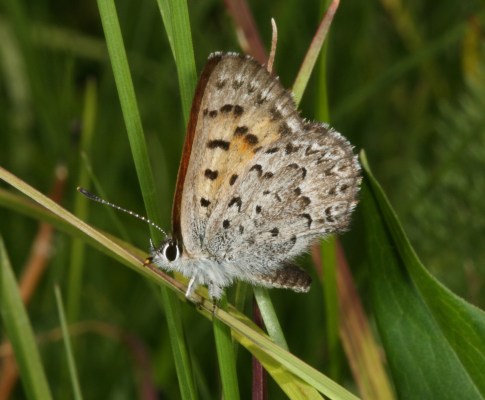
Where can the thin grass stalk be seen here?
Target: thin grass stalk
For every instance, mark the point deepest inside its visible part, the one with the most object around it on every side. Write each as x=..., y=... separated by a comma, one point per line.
x=75, y=274
x=76, y=388
x=140, y=156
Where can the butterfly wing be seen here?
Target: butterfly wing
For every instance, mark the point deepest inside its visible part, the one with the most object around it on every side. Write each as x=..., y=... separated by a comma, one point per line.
x=260, y=184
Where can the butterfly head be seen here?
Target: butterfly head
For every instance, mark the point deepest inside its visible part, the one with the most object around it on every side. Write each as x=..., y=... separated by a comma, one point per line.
x=166, y=255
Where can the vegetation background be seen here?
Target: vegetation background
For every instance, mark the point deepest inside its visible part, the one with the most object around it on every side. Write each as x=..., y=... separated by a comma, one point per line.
x=405, y=82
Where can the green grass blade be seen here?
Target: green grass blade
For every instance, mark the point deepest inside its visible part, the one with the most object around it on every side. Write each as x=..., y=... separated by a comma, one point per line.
x=131, y=114
x=175, y=16
x=140, y=156
x=179, y=346
x=313, y=52
x=317, y=50
x=270, y=319
x=434, y=341
x=75, y=278
x=183, y=53
x=76, y=388
x=330, y=293
x=165, y=11
x=18, y=329
x=226, y=357
x=291, y=373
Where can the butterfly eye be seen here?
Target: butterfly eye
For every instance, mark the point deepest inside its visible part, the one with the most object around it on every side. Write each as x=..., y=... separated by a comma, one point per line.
x=171, y=251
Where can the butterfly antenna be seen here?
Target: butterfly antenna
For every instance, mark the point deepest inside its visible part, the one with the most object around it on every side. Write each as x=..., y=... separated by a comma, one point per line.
x=93, y=197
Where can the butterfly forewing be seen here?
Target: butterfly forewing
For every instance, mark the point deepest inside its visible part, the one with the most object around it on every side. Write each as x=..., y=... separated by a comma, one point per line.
x=232, y=126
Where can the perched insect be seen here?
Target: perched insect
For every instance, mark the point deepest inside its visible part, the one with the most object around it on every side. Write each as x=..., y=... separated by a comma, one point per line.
x=257, y=184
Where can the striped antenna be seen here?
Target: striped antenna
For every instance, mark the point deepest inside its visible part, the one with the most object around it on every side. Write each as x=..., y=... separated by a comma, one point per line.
x=93, y=197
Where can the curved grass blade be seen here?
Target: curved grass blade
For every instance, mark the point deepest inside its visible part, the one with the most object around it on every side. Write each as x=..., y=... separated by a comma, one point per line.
x=292, y=374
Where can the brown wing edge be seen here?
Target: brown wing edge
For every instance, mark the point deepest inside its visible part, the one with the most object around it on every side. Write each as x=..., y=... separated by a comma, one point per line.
x=189, y=139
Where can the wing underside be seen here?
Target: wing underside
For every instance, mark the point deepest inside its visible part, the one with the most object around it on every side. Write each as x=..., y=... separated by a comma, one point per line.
x=260, y=184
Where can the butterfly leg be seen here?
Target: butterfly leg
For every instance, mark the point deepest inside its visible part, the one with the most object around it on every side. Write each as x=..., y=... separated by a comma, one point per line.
x=193, y=283
x=215, y=291
x=214, y=306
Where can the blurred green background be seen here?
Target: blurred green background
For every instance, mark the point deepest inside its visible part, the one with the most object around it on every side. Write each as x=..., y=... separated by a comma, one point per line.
x=405, y=82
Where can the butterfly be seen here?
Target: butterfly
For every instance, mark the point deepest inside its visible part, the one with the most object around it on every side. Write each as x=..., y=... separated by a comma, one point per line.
x=257, y=184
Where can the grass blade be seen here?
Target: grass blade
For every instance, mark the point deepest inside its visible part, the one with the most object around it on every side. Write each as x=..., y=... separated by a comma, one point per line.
x=311, y=57
x=292, y=374
x=140, y=156
x=67, y=345
x=19, y=331
x=434, y=340
x=179, y=346
x=131, y=114
x=75, y=278
x=226, y=358
x=270, y=319
x=175, y=16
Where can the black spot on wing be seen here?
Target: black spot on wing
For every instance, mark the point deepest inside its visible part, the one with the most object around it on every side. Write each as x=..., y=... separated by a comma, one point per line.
x=257, y=168
x=241, y=130
x=226, y=108
x=308, y=218
x=238, y=111
x=233, y=179
x=218, y=143
x=220, y=83
x=212, y=175
x=251, y=139
x=204, y=202
x=304, y=201
x=236, y=201
x=309, y=151
x=291, y=148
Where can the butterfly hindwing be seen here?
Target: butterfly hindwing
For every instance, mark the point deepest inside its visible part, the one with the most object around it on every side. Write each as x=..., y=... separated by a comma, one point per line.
x=286, y=199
